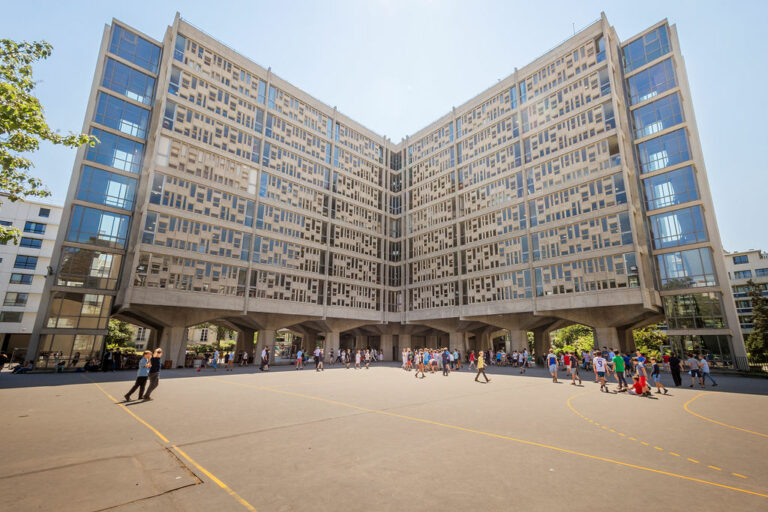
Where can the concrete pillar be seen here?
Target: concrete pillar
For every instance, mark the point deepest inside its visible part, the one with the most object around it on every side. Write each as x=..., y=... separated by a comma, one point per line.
x=245, y=343
x=456, y=341
x=153, y=341
x=332, y=341
x=626, y=340
x=541, y=344
x=432, y=341
x=404, y=341
x=265, y=338
x=360, y=341
x=606, y=337
x=518, y=340
x=386, y=346
x=174, y=344
x=310, y=342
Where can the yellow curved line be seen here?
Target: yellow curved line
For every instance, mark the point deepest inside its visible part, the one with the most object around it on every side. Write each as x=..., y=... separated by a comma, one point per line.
x=497, y=436
x=685, y=406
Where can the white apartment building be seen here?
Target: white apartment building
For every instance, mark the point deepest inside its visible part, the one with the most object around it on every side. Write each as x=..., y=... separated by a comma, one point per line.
x=743, y=266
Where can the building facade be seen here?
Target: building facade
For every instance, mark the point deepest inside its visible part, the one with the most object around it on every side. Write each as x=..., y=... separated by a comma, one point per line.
x=572, y=191
x=23, y=269
x=742, y=267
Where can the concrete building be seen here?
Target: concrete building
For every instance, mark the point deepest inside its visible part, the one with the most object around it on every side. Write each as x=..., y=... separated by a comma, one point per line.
x=572, y=191
x=743, y=266
x=23, y=268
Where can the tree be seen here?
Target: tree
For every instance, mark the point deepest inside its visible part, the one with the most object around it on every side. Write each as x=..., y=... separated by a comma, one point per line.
x=757, y=341
x=119, y=334
x=569, y=335
x=649, y=340
x=23, y=125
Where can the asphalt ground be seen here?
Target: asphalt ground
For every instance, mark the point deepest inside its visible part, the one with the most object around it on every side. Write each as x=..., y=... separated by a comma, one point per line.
x=378, y=439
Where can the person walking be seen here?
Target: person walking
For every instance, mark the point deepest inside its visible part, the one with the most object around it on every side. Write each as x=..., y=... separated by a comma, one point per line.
x=154, y=373
x=573, y=368
x=446, y=361
x=552, y=362
x=481, y=368
x=693, y=367
x=318, y=359
x=601, y=366
x=704, y=368
x=299, y=359
x=215, y=360
x=264, y=365
x=418, y=361
x=357, y=360
x=618, y=370
x=230, y=361
x=367, y=359
x=141, y=376
x=244, y=360
x=675, y=367
x=471, y=360
x=656, y=376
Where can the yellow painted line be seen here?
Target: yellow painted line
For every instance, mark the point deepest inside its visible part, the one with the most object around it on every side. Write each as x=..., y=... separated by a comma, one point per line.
x=693, y=460
x=216, y=480
x=685, y=406
x=622, y=435
x=605, y=428
x=738, y=475
x=632, y=439
x=715, y=467
x=659, y=448
x=674, y=454
x=611, y=430
x=165, y=440
x=646, y=444
x=496, y=436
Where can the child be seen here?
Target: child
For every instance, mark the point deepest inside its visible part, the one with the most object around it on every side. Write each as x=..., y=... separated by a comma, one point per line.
x=656, y=374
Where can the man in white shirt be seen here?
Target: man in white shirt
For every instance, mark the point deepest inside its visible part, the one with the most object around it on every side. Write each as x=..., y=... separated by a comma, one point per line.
x=704, y=367
x=318, y=359
x=694, y=370
x=601, y=368
x=264, y=359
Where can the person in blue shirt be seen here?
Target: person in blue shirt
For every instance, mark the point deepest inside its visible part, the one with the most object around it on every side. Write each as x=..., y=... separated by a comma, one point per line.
x=445, y=362
x=141, y=376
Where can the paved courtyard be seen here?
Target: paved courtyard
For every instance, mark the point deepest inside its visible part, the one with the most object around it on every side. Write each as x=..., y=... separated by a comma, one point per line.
x=378, y=439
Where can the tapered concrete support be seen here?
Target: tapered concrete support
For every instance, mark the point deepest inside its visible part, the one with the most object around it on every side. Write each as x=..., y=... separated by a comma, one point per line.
x=456, y=341
x=626, y=340
x=332, y=341
x=432, y=340
x=154, y=339
x=174, y=344
x=607, y=337
x=245, y=343
x=360, y=342
x=386, y=346
x=404, y=341
x=541, y=344
x=518, y=340
x=309, y=342
x=265, y=338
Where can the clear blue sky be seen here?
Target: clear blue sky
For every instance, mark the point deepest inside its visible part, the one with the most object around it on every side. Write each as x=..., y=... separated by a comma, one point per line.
x=397, y=65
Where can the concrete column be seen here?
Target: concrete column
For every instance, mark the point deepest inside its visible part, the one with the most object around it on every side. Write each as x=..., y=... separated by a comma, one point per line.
x=626, y=340
x=541, y=344
x=245, y=343
x=518, y=340
x=332, y=341
x=456, y=341
x=265, y=338
x=359, y=341
x=310, y=342
x=174, y=344
x=404, y=340
x=386, y=346
x=154, y=338
x=432, y=341
x=606, y=337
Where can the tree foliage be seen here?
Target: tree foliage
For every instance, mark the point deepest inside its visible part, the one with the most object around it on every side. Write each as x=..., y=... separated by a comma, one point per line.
x=649, y=340
x=119, y=334
x=574, y=338
x=757, y=341
x=23, y=125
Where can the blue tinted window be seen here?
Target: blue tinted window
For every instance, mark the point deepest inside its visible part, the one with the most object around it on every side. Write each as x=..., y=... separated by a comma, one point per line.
x=135, y=49
x=121, y=115
x=742, y=274
x=670, y=188
x=25, y=262
x=178, y=49
x=129, y=82
x=645, y=49
x=740, y=260
x=680, y=227
x=175, y=81
x=34, y=227
x=686, y=269
x=107, y=188
x=657, y=116
x=97, y=227
x=116, y=151
x=21, y=278
x=661, y=152
x=31, y=243
x=652, y=82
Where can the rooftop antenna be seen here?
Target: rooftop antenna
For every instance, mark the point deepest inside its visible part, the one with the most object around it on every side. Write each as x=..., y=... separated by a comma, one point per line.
x=574, y=28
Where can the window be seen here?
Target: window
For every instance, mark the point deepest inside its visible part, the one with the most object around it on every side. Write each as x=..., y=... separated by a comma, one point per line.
x=34, y=227
x=664, y=151
x=175, y=82
x=761, y=272
x=740, y=260
x=78, y=311
x=686, y=269
x=15, y=299
x=44, y=212
x=121, y=115
x=21, y=278
x=169, y=115
x=135, y=49
x=178, y=49
x=680, y=227
x=97, y=227
x=204, y=334
x=25, y=262
x=742, y=274
x=30, y=243
x=657, y=116
x=86, y=268
x=129, y=82
x=107, y=188
x=670, y=188
x=694, y=311
x=6, y=223
x=116, y=152
x=646, y=49
x=600, y=49
x=651, y=82
x=11, y=316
